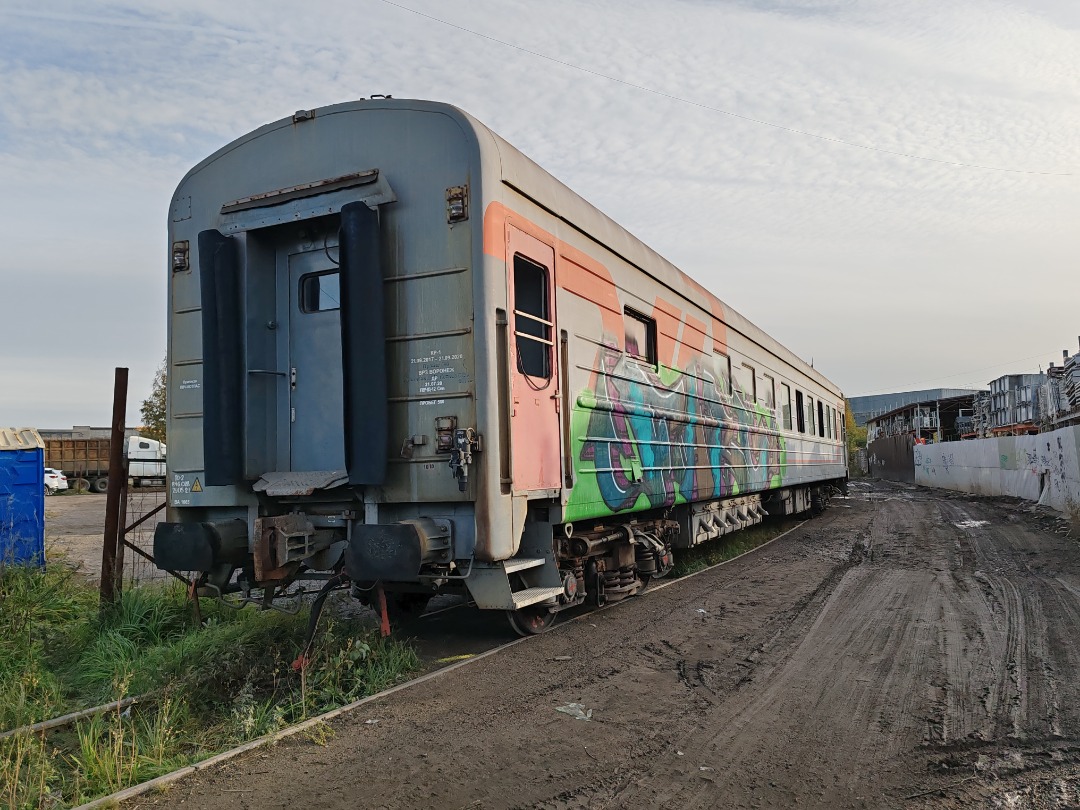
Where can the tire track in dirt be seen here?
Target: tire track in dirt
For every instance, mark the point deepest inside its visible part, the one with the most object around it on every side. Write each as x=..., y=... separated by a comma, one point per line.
x=878, y=656
x=1013, y=660
x=706, y=680
x=843, y=658
x=989, y=679
x=1020, y=749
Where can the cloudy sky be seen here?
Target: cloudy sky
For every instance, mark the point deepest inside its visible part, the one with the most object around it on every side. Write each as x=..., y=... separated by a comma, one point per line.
x=889, y=187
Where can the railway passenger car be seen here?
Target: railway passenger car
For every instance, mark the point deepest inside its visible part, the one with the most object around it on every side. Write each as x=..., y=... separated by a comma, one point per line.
x=402, y=352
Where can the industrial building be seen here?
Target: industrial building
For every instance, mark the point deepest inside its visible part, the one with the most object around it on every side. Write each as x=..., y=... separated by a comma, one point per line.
x=864, y=408
x=1014, y=405
x=932, y=420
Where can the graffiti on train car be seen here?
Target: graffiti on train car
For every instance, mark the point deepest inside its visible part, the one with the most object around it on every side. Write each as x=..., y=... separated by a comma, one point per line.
x=653, y=438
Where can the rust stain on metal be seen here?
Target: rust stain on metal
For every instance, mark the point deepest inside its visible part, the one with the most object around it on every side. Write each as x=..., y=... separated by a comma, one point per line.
x=271, y=545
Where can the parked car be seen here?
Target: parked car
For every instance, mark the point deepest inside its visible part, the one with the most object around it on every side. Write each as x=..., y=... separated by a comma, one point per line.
x=54, y=480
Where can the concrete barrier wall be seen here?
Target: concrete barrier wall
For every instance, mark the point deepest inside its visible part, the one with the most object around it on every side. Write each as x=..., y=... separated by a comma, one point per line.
x=1043, y=468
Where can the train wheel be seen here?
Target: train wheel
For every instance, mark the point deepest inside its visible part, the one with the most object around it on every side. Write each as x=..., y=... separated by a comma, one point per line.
x=531, y=620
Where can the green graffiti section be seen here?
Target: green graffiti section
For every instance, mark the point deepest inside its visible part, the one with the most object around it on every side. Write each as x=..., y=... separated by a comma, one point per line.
x=644, y=438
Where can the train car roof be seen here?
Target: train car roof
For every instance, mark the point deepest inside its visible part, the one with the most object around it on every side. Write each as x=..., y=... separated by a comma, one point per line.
x=528, y=178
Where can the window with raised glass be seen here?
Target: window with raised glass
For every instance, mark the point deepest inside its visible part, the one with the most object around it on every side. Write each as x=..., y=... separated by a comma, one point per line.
x=723, y=371
x=532, y=318
x=768, y=392
x=640, y=336
x=747, y=383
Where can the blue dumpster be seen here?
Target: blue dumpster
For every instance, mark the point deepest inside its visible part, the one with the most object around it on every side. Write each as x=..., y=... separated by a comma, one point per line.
x=22, y=497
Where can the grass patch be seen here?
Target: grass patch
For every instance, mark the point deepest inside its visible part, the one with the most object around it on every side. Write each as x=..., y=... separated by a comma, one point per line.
x=211, y=687
x=712, y=552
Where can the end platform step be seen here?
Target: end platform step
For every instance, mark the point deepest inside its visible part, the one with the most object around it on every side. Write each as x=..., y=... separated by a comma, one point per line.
x=530, y=596
x=521, y=563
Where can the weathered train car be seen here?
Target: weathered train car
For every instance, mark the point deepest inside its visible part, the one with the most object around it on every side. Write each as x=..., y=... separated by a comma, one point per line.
x=399, y=348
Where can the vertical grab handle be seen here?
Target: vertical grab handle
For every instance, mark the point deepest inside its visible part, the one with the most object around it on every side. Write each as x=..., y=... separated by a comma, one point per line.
x=502, y=364
x=567, y=412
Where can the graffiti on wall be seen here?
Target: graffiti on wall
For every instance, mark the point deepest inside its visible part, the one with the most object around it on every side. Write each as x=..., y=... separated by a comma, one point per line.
x=1041, y=468
x=651, y=438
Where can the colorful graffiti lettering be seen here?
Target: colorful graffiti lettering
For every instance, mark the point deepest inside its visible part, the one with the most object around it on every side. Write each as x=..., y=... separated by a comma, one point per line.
x=652, y=438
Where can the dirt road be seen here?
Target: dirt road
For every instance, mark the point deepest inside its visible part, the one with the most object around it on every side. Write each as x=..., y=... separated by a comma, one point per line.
x=75, y=525
x=907, y=649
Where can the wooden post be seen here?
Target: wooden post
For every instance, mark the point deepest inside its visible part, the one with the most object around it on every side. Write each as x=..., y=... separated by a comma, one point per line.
x=115, y=489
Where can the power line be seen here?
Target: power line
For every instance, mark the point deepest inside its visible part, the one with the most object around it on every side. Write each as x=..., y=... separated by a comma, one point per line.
x=760, y=121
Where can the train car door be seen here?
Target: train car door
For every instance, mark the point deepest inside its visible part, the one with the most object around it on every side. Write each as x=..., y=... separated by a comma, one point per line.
x=534, y=378
x=317, y=436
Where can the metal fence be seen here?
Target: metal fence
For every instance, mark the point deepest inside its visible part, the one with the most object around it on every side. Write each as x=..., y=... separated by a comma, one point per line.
x=142, y=509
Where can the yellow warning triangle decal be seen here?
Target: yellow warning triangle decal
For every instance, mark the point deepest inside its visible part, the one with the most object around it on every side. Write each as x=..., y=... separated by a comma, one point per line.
x=196, y=487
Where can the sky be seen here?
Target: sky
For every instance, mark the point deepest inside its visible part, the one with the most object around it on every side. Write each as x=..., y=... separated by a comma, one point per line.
x=891, y=188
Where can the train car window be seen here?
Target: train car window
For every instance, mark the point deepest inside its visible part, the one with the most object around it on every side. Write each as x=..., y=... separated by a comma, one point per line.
x=785, y=405
x=532, y=319
x=821, y=418
x=723, y=371
x=640, y=336
x=810, y=415
x=748, y=383
x=839, y=424
x=828, y=422
x=800, y=414
x=320, y=292
x=768, y=393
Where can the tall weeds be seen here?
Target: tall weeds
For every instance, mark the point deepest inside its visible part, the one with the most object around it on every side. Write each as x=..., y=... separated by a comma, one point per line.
x=30, y=776
x=208, y=687
x=37, y=610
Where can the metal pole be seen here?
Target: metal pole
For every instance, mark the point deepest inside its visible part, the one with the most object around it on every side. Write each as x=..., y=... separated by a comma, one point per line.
x=115, y=489
x=121, y=534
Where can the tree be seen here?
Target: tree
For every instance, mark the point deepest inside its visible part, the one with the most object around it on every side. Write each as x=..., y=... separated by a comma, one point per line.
x=153, y=407
x=856, y=436
x=856, y=439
